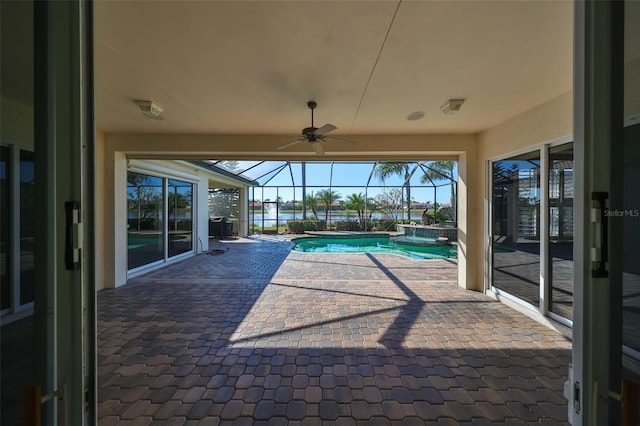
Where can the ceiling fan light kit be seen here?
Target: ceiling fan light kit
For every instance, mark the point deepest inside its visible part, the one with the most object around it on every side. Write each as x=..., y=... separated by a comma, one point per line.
x=452, y=106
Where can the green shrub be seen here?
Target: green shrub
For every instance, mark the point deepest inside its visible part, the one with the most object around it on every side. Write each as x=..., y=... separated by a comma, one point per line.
x=379, y=225
x=348, y=225
x=300, y=226
x=386, y=225
x=441, y=217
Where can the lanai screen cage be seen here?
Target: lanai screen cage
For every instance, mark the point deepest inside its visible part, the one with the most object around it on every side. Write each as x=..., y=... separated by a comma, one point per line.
x=343, y=195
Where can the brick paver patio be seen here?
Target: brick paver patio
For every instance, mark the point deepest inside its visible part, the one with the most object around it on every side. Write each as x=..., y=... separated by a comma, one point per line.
x=260, y=335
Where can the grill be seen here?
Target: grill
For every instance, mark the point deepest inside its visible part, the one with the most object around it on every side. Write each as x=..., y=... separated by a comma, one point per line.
x=220, y=227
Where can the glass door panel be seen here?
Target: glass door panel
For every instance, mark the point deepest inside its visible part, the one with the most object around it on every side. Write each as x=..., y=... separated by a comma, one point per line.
x=27, y=232
x=631, y=232
x=18, y=357
x=631, y=187
x=5, y=228
x=516, y=226
x=180, y=216
x=561, y=193
x=145, y=227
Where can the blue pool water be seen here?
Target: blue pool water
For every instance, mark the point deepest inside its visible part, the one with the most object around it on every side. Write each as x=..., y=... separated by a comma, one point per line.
x=357, y=244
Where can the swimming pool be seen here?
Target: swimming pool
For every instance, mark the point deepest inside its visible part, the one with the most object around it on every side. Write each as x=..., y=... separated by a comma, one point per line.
x=377, y=244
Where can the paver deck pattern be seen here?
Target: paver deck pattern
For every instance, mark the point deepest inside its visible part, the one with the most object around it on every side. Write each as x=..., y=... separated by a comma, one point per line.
x=260, y=335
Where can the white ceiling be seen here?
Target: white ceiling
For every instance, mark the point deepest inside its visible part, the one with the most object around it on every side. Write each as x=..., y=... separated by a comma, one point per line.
x=241, y=67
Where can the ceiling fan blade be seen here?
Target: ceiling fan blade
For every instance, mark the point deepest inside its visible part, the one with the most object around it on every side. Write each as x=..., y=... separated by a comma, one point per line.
x=324, y=129
x=317, y=148
x=290, y=144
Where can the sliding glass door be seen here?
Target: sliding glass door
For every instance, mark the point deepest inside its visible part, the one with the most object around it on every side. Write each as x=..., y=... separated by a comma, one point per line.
x=159, y=219
x=516, y=226
x=532, y=217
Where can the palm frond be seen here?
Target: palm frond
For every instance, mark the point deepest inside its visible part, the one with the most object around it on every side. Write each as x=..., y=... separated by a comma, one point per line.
x=387, y=169
x=438, y=171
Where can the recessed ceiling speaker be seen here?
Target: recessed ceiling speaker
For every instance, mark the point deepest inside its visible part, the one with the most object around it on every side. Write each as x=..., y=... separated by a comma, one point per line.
x=417, y=115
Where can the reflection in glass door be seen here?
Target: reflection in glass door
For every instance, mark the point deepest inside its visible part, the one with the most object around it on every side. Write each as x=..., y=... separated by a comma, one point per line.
x=18, y=357
x=630, y=217
x=180, y=216
x=5, y=242
x=17, y=212
x=27, y=232
x=561, y=193
x=516, y=227
x=519, y=229
x=145, y=228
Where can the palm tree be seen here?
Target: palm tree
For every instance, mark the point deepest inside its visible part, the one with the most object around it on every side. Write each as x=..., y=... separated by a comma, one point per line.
x=146, y=197
x=438, y=171
x=231, y=165
x=371, y=205
x=327, y=198
x=358, y=203
x=312, y=203
x=387, y=169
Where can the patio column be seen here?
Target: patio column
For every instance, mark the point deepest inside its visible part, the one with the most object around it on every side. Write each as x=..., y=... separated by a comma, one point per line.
x=470, y=259
x=243, y=207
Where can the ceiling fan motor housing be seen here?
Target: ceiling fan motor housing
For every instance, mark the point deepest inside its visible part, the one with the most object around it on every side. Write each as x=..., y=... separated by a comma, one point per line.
x=309, y=133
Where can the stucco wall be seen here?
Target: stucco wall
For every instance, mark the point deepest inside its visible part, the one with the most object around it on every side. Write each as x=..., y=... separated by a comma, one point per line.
x=541, y=124
x=545, y=123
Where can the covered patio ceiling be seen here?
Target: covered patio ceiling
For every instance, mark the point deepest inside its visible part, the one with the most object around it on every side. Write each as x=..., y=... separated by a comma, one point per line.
x=223, y=67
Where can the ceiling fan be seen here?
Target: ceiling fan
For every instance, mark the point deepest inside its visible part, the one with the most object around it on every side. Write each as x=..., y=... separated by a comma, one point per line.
x=314, y=135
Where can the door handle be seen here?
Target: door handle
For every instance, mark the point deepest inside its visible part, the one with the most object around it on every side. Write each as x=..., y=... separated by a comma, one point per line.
x=73, y=235
x=33, y=400
x=600, y=250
